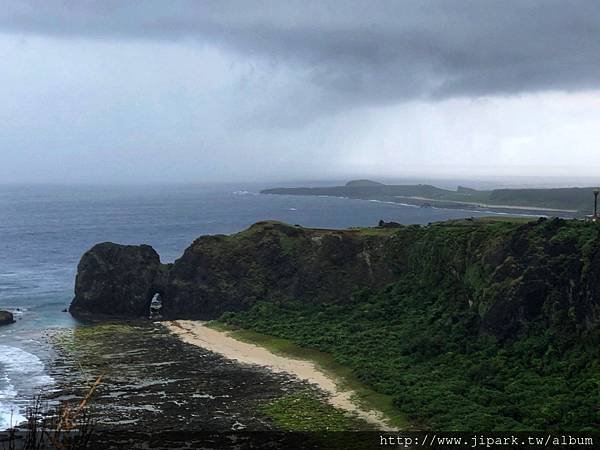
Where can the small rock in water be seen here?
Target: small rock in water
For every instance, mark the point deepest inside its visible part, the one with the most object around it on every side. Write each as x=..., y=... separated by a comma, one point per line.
x=6, y=318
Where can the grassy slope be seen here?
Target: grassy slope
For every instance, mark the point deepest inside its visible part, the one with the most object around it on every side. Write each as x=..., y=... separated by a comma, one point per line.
x=306, y=412
x=418, y=342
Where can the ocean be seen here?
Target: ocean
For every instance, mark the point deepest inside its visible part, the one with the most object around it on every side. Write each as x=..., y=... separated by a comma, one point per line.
x=44, y=230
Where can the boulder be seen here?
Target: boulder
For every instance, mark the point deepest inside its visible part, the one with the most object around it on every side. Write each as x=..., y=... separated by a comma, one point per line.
x=6, y=318
x=117, y=280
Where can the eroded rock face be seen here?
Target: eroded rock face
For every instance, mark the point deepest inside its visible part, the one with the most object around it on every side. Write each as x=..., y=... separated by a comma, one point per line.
x=512, y=275
x=546, y=272
x=216, y=274
x=117, y=280
x=270, y=262
x=6, y=318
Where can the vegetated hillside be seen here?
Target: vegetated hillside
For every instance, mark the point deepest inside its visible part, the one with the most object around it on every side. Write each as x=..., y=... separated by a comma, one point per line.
x=471, y=325
x=362, y=189
x=489, y=326
x=363, y=183
x=577, y=199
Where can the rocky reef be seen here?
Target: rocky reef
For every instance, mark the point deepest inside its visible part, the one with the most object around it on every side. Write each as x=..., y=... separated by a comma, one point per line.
x=144, y=389
x=6, y=318
x=511, y=272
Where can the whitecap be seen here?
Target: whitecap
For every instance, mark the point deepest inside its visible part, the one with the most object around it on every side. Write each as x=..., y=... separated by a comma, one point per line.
x=9, y=413
x=22, y=377
x=16, y=311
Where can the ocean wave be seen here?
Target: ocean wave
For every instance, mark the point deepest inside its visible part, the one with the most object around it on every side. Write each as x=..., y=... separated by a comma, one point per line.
x=16, y=311
x=22, y=377
x=9, y=414
x=387, y=202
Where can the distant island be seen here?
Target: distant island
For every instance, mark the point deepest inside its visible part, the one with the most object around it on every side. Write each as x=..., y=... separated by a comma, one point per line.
x=566, y=202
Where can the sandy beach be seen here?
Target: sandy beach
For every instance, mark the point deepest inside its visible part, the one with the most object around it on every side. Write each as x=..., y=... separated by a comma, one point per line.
x=197, y=333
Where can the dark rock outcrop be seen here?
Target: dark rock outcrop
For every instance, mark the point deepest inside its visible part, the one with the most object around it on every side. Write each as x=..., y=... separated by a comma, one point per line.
x=6, y=318
x=384, y=224
x=270, y=261
x=510, y=274
x=117, y=280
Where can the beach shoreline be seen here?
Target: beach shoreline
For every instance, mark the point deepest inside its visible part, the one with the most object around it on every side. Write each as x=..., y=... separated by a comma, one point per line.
x=221, y=342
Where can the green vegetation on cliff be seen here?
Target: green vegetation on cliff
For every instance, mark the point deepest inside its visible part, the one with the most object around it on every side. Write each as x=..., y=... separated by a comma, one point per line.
x=490, y=325
x=344, y=376
x=467, y=325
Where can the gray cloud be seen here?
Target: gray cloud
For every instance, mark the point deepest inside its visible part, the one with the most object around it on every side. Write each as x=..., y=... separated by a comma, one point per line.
x=118, y=90
x=367, y=52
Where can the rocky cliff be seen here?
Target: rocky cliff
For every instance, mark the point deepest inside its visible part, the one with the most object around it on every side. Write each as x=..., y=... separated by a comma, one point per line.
x=117, y=280
x=510, y=273
x=269, y=261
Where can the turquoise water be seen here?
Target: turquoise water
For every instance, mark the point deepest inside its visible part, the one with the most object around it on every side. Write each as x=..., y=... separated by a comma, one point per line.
x=45, y=229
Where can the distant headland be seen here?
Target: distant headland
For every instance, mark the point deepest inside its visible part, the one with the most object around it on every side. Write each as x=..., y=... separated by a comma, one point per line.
x=565, y=202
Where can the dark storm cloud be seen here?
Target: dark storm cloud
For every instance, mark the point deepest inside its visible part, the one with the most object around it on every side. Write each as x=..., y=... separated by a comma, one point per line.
x=362, y=52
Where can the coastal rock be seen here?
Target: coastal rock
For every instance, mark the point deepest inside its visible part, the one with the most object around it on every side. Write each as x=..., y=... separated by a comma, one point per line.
x=270, y=261
x=117, y=280
x=6, y=318
x=509, y=275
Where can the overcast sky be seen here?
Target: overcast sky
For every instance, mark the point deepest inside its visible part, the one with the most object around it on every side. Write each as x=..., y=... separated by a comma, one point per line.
x=199, y=91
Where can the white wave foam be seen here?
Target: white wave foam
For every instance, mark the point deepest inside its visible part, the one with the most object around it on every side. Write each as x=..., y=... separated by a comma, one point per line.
x=22, y=376
x=9, y=413
x=16, y=310
x=10, y=418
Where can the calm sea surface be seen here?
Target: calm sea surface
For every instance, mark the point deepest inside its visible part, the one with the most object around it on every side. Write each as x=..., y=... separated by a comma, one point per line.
x=45, y=229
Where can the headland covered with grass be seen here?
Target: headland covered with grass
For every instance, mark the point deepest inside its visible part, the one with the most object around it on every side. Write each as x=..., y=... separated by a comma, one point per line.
x=462, y=325
x=566, y=202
